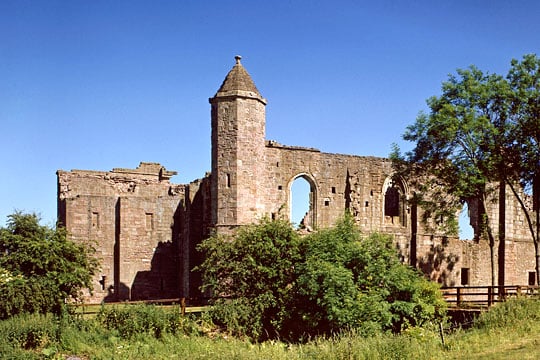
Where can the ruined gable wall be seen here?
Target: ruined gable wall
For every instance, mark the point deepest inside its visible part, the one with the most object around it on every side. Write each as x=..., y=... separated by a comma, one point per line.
x=340, y=182
x=129, y=214
x=357, y=183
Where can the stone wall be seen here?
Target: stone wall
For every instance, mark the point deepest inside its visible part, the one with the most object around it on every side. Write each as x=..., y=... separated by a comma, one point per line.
x=130, y=216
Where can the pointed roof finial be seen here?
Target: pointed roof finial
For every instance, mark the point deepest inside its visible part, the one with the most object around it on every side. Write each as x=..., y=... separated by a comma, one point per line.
x=238, y=83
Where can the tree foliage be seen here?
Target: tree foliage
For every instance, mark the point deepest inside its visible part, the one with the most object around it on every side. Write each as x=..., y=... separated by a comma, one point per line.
x=523, y=145
x=349, y=280
x=268, y=282
x=457, y=156
x=481, y=134
x=39, y=267
x=252, y=276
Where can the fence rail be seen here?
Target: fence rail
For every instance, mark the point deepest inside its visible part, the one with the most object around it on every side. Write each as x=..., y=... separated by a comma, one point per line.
x=94, y=308
x=485, y=296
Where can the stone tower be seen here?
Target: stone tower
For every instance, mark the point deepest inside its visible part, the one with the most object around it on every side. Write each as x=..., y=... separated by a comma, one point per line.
x=238, y=150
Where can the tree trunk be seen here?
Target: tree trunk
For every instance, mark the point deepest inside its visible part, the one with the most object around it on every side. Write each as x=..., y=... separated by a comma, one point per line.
x=536, y=209
x=502, y=235
x=491, y=240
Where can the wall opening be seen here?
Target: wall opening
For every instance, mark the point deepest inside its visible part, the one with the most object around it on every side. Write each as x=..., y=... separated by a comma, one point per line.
x=532, y=278
x=466, y=231
x=95, y=220
x=395, y=204
x=465, y=280
x=302, y=199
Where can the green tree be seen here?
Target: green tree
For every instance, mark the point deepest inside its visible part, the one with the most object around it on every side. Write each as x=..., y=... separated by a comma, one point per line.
x=39, y=267
x=353, y=281
x=523, y=152
x=251, y=275
x=458, y=155
x=267, y=282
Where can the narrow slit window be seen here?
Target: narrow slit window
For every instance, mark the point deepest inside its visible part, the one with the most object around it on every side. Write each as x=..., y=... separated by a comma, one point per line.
x=95, y=220
x=149, y=221
x=228, y=180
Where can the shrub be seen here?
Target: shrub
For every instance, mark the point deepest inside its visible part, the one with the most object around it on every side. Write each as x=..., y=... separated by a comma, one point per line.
x=252, y=275
x=269, y=283
x=41, y=268
x=354, y=281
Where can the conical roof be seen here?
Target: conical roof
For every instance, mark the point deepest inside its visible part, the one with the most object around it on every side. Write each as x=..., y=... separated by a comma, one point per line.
x=238, y=82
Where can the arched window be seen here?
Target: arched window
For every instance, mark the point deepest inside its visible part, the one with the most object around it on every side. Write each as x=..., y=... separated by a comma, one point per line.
x=302, y=202
x=395, y=207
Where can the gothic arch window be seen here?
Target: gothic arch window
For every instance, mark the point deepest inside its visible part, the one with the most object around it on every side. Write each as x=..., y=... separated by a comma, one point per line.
x=395, y=205
x=470, y=219
x=302, y=201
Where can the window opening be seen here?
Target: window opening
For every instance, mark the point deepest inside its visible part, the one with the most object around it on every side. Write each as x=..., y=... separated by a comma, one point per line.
x=466, y=231
x=532, y=278
x=301, y=203
x=395, y=209
x=95, y=220
x=465, y=276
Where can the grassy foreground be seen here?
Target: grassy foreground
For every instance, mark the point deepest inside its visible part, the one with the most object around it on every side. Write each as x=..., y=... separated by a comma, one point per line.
x=508, y=331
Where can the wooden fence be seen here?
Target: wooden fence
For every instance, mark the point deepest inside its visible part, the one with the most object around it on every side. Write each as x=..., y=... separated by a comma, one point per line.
x=180, y=303
x=464, y=297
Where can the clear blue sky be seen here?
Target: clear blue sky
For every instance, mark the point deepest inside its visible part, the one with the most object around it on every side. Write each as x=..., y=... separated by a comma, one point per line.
x=104, y=84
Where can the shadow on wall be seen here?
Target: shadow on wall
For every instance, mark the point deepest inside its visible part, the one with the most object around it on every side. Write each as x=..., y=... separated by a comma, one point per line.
x=160, y=282
x=438, y=263
x=118, y=294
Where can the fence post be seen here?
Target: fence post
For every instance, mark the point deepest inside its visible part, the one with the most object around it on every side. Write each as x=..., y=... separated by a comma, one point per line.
x=490, y=295
x=458, y=297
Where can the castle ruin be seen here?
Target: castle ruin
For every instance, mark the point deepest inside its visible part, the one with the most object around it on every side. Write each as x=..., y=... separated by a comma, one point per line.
x=147, y=228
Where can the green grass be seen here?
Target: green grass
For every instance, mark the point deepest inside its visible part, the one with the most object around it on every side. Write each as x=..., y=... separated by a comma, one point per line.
x=508, y=331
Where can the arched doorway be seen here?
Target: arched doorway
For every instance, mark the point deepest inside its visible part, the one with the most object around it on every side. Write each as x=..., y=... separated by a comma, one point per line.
x=302, y=200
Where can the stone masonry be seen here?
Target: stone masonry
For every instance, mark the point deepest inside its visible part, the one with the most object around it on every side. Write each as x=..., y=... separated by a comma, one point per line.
x=146, y=229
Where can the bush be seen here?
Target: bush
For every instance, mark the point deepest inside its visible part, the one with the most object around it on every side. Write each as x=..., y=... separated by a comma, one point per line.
x=41, y=268
x=252, y=275
x=270, y=283
x=352, y=281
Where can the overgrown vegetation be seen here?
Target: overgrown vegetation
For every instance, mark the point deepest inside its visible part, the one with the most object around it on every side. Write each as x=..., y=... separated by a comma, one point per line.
x=508, y=331
x=269, y=283
x=40, y=268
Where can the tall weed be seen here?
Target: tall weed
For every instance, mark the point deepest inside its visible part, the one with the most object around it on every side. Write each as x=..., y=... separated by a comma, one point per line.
x=514, y=313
